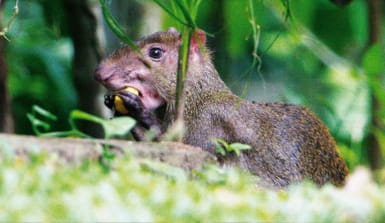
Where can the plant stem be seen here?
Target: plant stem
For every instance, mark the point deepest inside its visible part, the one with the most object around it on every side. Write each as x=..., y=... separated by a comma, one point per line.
x=182, y=70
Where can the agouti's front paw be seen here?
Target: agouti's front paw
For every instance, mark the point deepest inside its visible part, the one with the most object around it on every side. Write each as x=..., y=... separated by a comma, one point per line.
x=128, y=103
x=124, y=102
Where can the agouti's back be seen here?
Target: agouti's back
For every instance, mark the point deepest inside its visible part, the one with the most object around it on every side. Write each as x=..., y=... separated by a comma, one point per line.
x=289, y=143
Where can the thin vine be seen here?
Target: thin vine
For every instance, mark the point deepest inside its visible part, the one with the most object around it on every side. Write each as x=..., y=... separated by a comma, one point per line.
x=4, y=31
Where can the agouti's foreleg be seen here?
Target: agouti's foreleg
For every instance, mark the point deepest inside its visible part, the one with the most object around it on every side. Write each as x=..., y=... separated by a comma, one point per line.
x=146, y=120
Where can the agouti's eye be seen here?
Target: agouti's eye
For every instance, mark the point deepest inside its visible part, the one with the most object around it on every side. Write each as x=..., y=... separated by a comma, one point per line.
x=155, y=53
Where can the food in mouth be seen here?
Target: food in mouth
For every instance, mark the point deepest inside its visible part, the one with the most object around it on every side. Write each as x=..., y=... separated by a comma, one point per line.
x=118, y=102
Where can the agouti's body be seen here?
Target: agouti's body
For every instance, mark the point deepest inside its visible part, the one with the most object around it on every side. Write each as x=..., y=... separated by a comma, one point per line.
x=289, y=143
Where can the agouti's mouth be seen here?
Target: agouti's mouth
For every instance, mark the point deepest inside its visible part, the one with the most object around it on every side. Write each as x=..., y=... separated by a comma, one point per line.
x=150, y=98
x=132, y=90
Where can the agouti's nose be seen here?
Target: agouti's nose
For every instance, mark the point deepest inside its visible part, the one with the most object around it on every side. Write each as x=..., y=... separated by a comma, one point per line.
x=103, y=73
x=98, y=74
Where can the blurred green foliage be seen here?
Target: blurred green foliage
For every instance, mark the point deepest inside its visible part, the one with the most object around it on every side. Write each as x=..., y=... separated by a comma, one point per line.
x=39, y=63
x=41, y=121
x=311, y=54
x=44, y=188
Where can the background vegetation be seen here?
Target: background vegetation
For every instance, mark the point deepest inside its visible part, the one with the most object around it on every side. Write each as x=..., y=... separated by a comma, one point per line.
x=312, y=53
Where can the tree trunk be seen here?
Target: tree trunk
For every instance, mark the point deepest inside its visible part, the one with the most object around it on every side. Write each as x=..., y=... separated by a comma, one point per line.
x=83, y=21
x=6, y=121
x=217, y=24
x=374, y=146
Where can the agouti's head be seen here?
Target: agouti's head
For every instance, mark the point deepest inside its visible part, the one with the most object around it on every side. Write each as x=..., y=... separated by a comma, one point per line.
x=153, y=73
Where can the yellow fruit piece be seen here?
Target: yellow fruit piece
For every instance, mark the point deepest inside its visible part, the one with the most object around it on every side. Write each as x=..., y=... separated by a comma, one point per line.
x=119, y=105
x=118, y=102
x=132, y=90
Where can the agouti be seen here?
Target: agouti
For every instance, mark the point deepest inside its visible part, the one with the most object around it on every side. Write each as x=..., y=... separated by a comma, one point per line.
x=289, y=143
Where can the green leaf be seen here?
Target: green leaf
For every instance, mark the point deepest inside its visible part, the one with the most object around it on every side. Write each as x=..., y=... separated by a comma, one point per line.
x=41, y=111
x=169, y=11
x=37, y=124
x=237, y=147
x=219, y=149
x=240, y=146
x=114, y=127
x=77, y=114
x=374, y=60
x=119, y=126
x=162, y=169
x=220, y=146
x=195, y=7
x=187, y=14
x=221, y=142
x=211, y=174
x=116, y=28
x=107, y=154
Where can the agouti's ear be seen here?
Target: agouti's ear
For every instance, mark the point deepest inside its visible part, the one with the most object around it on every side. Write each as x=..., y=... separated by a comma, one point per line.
x=198, y=38
x=173, y=30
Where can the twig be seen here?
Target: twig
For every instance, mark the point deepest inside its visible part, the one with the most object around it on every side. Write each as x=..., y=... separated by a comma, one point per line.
x=4, y=31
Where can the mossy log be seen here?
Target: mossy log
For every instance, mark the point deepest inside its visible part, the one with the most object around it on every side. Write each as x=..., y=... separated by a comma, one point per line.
x=75, y=150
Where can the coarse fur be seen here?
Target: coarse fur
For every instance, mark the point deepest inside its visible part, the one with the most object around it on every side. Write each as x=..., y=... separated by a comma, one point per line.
x=289, y=143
